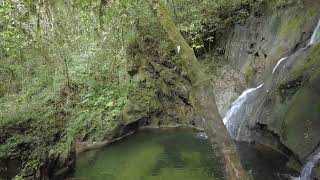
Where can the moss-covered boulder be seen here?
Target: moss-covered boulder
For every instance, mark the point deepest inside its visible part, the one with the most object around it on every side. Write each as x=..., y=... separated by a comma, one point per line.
x=301, y=114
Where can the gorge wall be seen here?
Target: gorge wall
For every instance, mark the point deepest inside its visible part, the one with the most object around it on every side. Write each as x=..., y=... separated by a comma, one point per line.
x=284, y=112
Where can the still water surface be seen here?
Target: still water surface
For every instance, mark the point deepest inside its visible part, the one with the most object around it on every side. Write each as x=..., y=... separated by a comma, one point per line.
x=178, y=154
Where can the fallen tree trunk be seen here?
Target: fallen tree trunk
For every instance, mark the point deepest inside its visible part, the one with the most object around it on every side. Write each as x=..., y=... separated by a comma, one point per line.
x=202, y=96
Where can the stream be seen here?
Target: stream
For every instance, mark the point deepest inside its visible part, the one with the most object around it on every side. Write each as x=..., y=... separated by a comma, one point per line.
x=176, y=154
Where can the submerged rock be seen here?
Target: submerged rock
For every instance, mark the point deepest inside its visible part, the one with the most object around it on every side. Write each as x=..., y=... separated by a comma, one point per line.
x=201, y=135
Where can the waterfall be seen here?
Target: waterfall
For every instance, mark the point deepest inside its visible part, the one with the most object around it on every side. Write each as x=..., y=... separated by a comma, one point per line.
x=307, y=169
x=243, y=106
x=279, y=62
x=233, y=117
x=240, y=108
x=236, y=114
x=316, y=35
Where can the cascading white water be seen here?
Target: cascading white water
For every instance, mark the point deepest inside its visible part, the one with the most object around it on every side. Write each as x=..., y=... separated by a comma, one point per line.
x=279, y=62
x=307, y=168
x=235, y=115
x=233, y=118
x=231, y=121
x=316, y=35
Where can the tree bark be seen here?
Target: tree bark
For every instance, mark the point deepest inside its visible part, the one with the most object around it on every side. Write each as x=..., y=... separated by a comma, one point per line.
x=202, y=96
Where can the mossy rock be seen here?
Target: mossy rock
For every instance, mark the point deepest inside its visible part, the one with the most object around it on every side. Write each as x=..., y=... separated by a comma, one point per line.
x=302, y=121
x=142, y=102
x=249, y=73
x=297, y=118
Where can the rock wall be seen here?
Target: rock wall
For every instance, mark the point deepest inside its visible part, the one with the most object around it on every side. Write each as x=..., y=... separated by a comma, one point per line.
x=292, y=105
x=270, y=35
x=285, y=112
x=253, y=48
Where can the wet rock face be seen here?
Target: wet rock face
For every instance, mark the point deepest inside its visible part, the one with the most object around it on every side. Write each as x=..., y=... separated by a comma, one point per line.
x=285, y=112
x=300, y=131
x=268, y=37
x=288, y=107
x=227, y=88
x=253, y=48
x=260, y=114
x=300, y=109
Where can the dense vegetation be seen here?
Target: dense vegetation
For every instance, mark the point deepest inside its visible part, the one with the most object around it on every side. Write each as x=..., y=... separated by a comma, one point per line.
x=67, y=67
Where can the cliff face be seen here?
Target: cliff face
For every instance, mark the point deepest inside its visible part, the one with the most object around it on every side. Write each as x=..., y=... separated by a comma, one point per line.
x=269, y=35
x=285, y=111
x=296, y=118
x=253, y=48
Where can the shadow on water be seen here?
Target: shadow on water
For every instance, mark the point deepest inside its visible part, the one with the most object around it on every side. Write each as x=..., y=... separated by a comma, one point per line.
x=170, y=155
x=264, y=163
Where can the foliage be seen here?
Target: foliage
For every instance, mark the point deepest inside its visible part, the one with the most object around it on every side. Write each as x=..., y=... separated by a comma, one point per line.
x=63, y=66
x=12, y=37
x=284, y=3
x=249, y=73
x=98, y=112
x=202, y=25
x=64, y=76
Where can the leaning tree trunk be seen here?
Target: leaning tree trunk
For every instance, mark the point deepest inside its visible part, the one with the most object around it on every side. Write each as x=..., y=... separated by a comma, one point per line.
x=202, y=97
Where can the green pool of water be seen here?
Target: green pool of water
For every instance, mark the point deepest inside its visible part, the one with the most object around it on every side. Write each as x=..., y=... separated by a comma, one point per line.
x=152, y=155
x=176, y=154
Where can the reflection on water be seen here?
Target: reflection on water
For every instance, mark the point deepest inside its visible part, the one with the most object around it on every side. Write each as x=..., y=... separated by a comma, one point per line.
x=152, y=155
x=171, y=155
